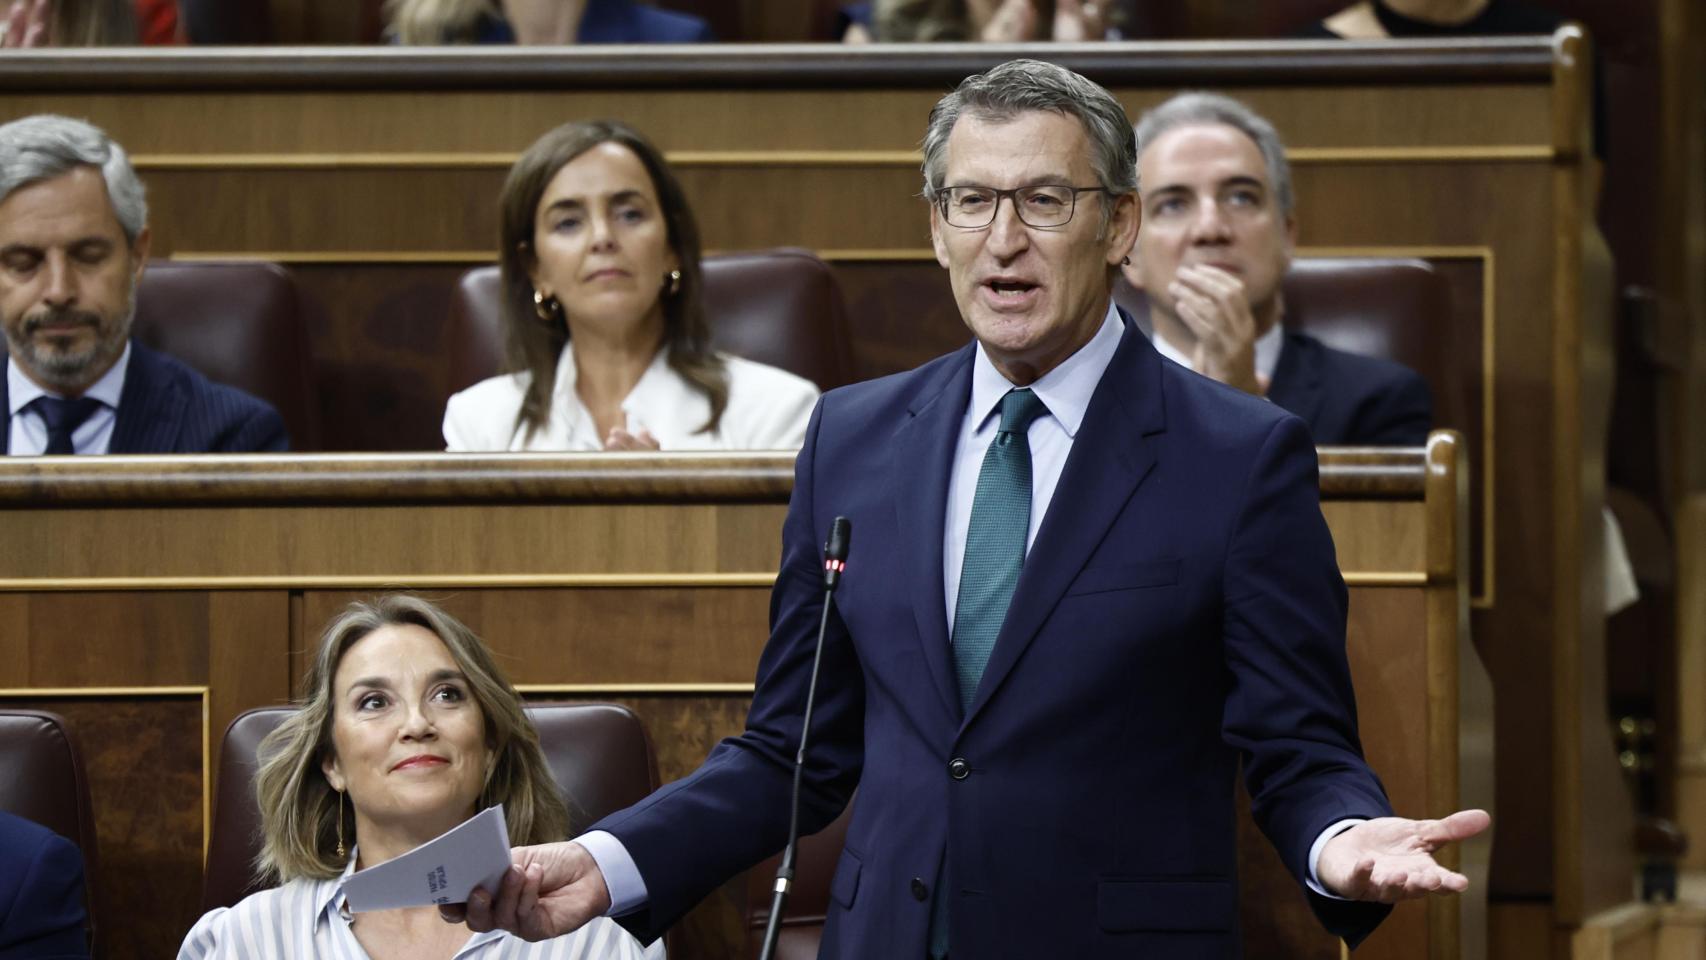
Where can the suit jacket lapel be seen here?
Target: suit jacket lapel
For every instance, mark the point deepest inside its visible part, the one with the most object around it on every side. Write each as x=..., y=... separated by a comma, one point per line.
x=1111, y=455
x=150, y=408
x=1297, y=387
x=922, y=461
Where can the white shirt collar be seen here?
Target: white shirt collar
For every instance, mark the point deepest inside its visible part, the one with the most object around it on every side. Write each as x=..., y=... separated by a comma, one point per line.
x=1065, y=390
x=21, y=391
x=1268, y=347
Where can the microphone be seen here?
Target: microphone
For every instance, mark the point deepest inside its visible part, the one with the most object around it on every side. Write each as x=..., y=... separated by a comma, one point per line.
x=835, y=552
x=834, y=564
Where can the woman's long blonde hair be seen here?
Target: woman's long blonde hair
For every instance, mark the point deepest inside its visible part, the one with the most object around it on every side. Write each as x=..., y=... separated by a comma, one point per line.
x=432, y=22
x=300, y=810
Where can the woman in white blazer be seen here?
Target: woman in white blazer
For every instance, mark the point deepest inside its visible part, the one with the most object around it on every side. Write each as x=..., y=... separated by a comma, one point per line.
x=607, y=333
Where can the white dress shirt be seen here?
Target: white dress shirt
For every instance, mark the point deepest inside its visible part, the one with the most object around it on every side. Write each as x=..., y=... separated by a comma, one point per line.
x=1066, y=391
x=768, y=410
x=308, y=919
x=94, y=435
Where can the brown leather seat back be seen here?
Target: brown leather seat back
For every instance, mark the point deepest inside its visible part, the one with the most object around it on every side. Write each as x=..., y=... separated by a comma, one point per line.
x=42, y=779
x=1398, y=309
x=238, y=324
x=781, y=307
x=599, y=755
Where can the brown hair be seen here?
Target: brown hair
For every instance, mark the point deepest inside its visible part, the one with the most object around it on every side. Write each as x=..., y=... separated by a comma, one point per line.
x=300, y=810
x=94, y=23
x=535, y=344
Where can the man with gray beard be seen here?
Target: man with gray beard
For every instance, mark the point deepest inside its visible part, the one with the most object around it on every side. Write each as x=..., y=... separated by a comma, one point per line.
x=73, y=244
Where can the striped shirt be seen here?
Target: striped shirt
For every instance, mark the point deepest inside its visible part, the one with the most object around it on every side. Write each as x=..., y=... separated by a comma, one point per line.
x=307, y=918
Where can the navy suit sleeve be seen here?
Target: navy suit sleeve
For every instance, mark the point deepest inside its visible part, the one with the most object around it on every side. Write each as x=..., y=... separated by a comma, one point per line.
x=696, y=833
x=46, y=918
x=1400, y=413
x=257, y=429
x=1291, y=710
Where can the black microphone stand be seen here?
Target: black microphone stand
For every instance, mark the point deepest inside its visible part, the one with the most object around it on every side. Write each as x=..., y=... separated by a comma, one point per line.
x=834, y=562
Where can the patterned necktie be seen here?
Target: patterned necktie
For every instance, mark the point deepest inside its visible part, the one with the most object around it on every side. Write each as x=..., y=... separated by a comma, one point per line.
x=63, y=417
x=995, y=540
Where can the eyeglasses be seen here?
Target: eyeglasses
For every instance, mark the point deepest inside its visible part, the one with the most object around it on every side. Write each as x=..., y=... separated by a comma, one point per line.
x=1043, y=205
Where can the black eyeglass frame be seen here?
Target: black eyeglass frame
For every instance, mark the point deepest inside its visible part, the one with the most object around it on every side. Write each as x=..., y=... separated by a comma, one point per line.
x=1012, y=197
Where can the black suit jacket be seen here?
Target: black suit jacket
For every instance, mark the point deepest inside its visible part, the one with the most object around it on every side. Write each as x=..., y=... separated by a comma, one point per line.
x=1348, y=399
x=166, y=407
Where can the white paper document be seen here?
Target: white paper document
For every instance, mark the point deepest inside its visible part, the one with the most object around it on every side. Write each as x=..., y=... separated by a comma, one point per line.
x=474, y=853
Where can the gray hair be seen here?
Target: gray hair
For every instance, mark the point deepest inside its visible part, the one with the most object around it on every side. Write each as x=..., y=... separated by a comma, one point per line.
x=46, y=146
x=1197, y=108
x=1020, y=86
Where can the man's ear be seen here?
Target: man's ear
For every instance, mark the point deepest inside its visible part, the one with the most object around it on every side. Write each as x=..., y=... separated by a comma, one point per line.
x=1122, y=227
x=936, y=226
x=1290, y=246
x=139, y=253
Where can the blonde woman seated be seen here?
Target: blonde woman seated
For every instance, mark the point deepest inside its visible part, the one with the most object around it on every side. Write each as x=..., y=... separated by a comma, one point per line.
x=602, y=306
x=406, y=728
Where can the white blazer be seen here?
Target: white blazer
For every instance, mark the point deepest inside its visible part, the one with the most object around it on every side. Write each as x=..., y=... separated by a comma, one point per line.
x=768, y=410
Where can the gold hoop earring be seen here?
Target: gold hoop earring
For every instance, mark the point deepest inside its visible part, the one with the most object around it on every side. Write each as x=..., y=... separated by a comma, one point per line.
x=674, y=286
x=545, y=308
x=341, y=852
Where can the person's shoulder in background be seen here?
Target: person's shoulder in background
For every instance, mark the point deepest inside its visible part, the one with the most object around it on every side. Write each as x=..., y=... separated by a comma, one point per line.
x=41, y=893
x=621, y=21
x=1349, y=399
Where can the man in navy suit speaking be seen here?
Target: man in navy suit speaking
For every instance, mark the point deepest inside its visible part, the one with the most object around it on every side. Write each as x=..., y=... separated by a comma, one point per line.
x=1218, y=228
x=73, y=244
x=1084, y=586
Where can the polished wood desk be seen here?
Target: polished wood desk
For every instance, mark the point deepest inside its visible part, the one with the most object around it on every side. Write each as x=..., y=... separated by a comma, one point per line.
x=152, y=599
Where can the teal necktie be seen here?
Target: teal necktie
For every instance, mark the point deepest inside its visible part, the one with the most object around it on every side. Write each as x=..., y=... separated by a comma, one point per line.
x=995, y=551
x=995, y=540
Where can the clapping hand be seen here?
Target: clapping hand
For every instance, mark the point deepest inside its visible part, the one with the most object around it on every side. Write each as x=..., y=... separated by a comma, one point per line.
x=1212, y=303
x=27, y=23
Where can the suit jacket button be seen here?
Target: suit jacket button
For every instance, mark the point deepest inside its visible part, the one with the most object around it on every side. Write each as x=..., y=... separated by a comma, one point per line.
x=919, y=891
x=958, y=768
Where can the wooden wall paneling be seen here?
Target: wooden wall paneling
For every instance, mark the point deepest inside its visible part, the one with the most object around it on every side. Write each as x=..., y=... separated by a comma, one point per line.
x=1461, y=752
x=143, y=750
x=248, y=649
x=1682, y=59
x=1593, y=814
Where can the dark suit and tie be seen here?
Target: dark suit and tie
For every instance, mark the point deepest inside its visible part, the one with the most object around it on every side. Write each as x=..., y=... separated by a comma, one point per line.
x=1179, y=608
x=166, y=407
x=1043, y=672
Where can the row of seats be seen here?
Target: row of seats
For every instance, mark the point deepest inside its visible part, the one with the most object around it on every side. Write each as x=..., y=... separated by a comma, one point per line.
x=242, y=323
x=599, y=755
